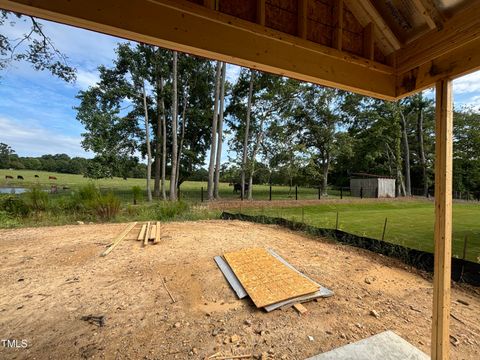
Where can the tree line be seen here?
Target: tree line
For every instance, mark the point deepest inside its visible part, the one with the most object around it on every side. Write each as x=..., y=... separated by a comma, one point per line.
x=176, y=110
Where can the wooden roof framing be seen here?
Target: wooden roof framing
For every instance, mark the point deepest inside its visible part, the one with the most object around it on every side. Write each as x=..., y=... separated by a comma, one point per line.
x=386, y=49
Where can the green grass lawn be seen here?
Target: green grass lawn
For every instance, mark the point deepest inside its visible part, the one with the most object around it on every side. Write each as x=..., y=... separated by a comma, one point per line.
x=410, y=223
x=189, y=190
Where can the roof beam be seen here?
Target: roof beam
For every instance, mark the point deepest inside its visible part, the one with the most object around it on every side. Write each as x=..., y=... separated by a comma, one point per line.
x=368, y=43
x=364, y=19
x=463, y=60
x=430, y=13
x=187, y=27
x=456, y=32
x=380, y=23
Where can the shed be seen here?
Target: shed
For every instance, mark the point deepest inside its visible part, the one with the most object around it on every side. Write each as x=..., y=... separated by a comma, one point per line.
x=384, y=49
x=372, y=186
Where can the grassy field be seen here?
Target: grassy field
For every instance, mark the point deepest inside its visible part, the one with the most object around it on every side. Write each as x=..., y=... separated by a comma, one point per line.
x=189, y=190
x=409, y=223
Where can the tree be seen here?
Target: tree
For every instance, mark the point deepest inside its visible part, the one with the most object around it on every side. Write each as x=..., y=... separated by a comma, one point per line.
x=213, y=147
x=247, y=130
x=173, y=189
x=317, y=116
x=33, y=47
x=218, y=160
x=6, y=153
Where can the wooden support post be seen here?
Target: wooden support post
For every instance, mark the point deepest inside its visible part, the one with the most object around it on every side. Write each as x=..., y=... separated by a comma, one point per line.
x=338, y=21
x=302, y=19
x=368, y=43
x=270, y=192
x=261, y=12
x=443, y=221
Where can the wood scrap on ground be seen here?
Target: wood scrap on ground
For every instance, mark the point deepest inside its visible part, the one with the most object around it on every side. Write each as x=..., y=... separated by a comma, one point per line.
x=119, y=239
x=168, y=291
x=147, y=234
x=141, y=234
x=266, y=279
x=274, y=281
x=156, y=239
x=153, y=230
x=300, y=308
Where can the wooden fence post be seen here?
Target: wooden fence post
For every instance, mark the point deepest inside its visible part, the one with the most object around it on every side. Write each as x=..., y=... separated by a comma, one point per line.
x=443, y=220
x=296, y=192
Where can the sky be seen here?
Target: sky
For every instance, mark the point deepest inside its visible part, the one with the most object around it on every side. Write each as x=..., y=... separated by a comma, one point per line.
x=37, y=114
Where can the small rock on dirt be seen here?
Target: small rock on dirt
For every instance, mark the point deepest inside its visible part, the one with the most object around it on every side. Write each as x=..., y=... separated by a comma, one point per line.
x=374, y=313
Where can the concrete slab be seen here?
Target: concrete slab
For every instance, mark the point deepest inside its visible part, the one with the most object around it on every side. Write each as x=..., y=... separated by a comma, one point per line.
x=383, y=346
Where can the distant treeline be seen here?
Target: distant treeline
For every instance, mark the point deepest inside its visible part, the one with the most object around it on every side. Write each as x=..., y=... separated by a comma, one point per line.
x=62, y=163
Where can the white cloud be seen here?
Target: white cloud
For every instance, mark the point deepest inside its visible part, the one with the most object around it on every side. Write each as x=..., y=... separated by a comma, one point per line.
x=467, y=84
x=85, y=78
x=33, y=140
x=233, y=71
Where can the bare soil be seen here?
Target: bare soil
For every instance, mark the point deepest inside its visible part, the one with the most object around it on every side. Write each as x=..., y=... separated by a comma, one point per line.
x=51, y=277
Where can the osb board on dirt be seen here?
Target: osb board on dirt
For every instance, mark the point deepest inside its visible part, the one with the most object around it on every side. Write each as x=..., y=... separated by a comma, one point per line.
x=267, y=280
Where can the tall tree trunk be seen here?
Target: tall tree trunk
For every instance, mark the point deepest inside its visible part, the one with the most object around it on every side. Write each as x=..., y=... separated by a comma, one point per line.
x=247, y=130
x=325, y=169
x=421, y=150
x=406, y=154
x=256, y=147
x=182, y=137
x=164, y=146
x=147, y=139
x=213, y=147
x=216, y=182
x=158, y=143
x=173, y=189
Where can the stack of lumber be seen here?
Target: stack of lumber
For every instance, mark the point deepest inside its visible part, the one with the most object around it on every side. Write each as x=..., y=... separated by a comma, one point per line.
x=149, y=232
x=268, y=279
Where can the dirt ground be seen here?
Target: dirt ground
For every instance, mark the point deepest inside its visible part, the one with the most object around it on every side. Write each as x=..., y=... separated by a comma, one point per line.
x=51, y=277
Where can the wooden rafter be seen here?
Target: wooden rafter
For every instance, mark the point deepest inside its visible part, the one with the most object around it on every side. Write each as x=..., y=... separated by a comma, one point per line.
x=368, y=41
x=338, y=21
x=302, y=18
x=364, y=19
x=261, y=12
x=430, y=13
x=192, y=28
x=456, y=32
x=379, y=22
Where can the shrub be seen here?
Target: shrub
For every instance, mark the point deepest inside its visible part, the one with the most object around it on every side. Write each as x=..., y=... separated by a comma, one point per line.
x=137, y=194
x=38, y=198
x=170, y=210
x=14, y=206
x=6, y=220
x=107, y=206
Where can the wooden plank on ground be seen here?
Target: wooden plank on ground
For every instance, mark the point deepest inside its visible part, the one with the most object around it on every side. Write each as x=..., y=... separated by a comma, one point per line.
x=266, y=279
x=300, y=308
x=147, y=233
x=119, y=238
x=141, y=234
x=153, y=230
x=156, y=240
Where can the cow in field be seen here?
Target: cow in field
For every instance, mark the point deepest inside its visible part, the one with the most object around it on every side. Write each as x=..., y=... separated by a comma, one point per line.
x=37, y=176
x=52, y=178
x=20, y=177
x=8, y=177
x=238, y=187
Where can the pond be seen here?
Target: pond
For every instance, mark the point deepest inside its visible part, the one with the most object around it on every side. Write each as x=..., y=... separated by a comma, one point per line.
x=12, y=190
